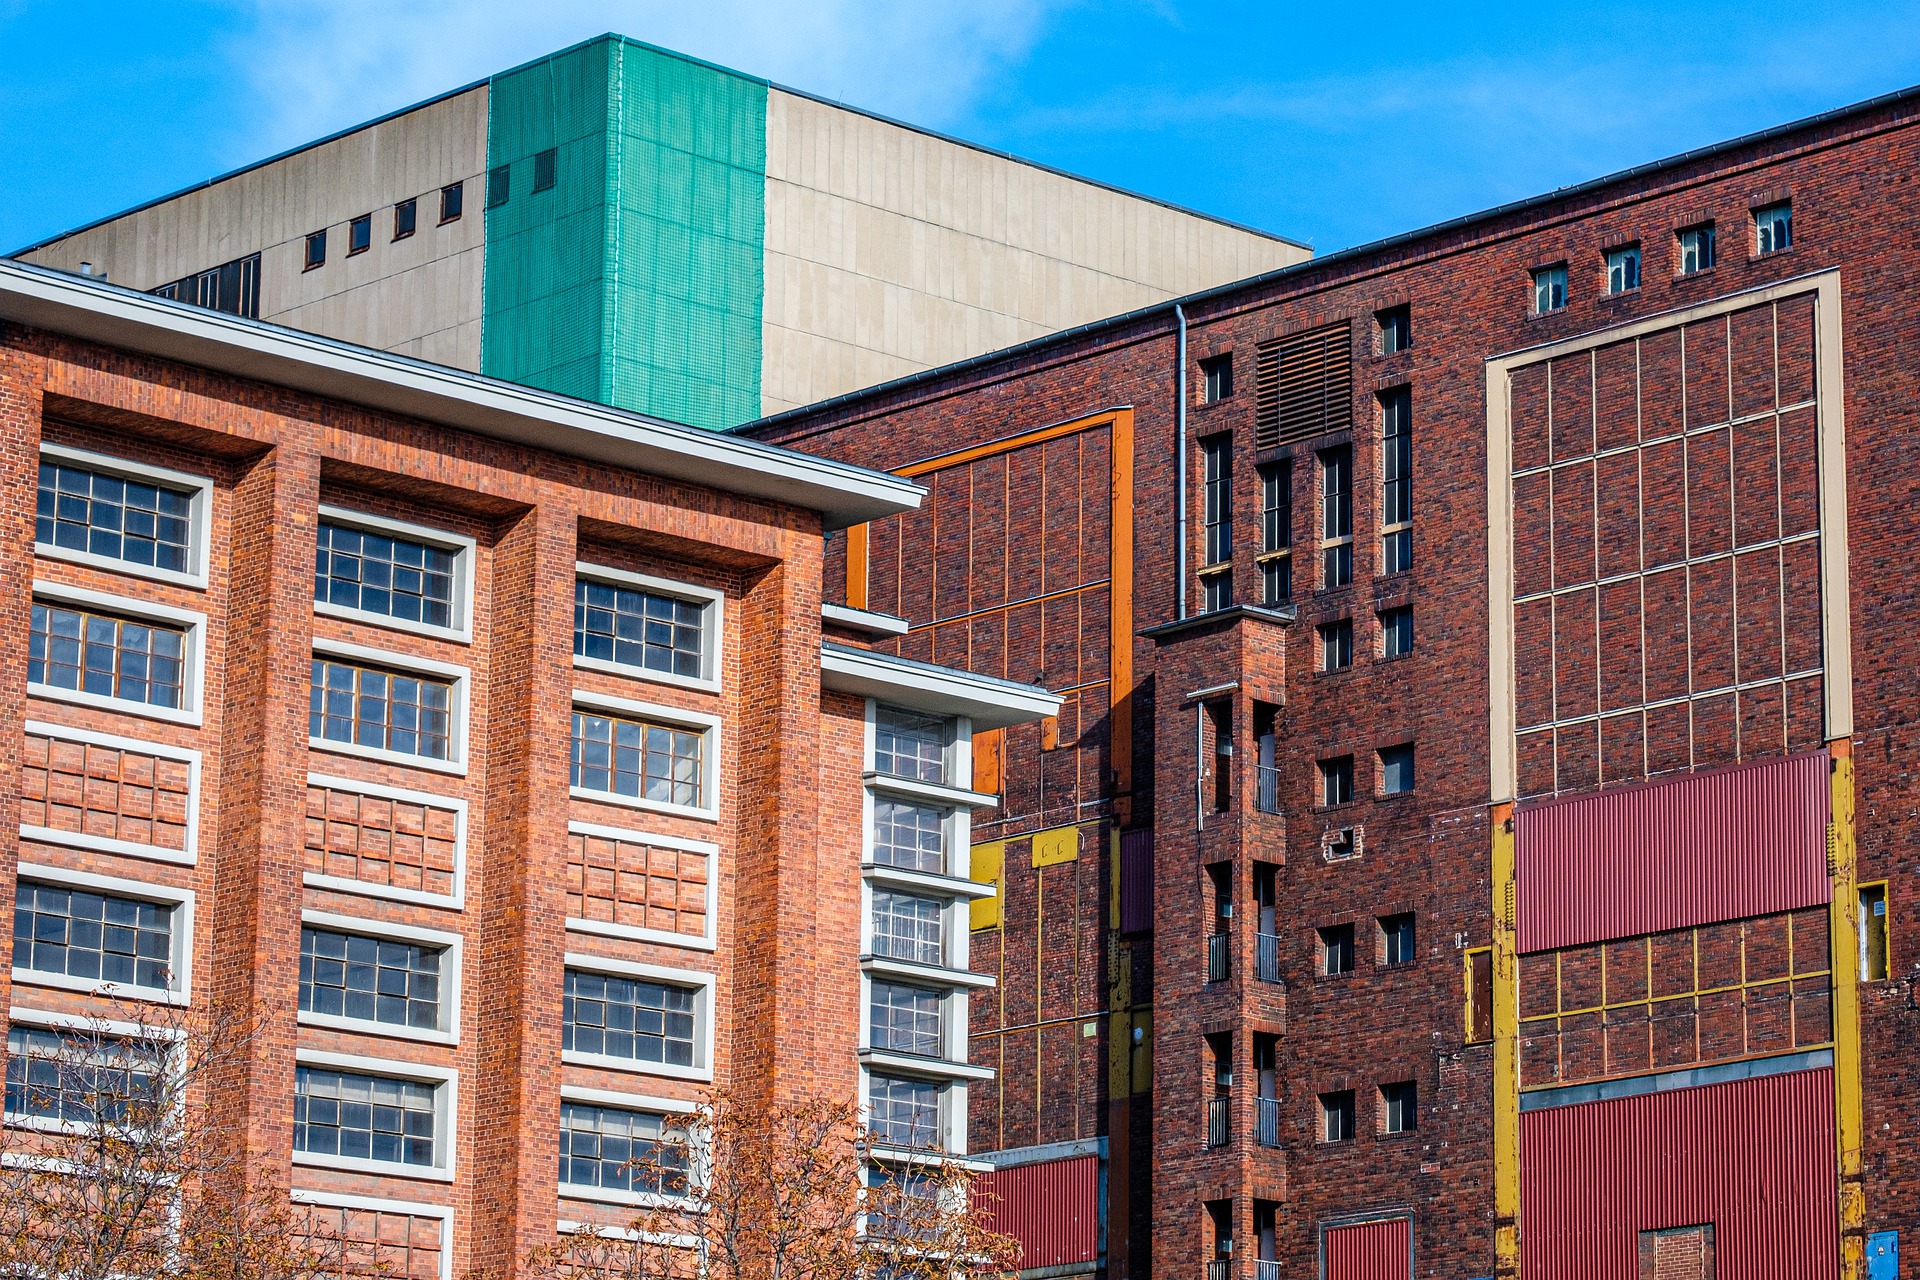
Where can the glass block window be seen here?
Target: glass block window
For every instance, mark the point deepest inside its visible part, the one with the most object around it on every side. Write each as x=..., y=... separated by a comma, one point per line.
x=611, y=1149
x=639, y=629
x=907, y=744
x=347, y=975
x=905, y=1018
x=101, y=936
x=907, y=926
x=368, y=707
x=112, y=657
x=658, y=762
x=75, y=1077
x=361, y=1117
x=903, y=1112
x=105, y=515
x=375, y=573
x=910, y=836
x=628, y=1018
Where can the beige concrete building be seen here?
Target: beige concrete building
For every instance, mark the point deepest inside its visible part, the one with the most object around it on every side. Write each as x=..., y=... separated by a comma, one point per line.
x=628, y=225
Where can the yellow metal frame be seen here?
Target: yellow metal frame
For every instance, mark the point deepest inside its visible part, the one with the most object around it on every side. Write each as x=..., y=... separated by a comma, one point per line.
x=1471, y=997
x=1506, y=1052
x=1847, y=1119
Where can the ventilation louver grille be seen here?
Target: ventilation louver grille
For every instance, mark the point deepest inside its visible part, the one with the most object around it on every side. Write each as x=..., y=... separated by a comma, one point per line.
x=1303, y=385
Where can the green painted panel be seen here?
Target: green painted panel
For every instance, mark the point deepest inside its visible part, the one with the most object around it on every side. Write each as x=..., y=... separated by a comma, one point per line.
x=637, y=281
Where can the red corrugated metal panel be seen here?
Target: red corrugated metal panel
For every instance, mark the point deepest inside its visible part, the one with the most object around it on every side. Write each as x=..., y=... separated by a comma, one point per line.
x=1753, y=1157
x=1746, y=841
x=1136, y=881
x=1051, y=1208
x=1371, y=1250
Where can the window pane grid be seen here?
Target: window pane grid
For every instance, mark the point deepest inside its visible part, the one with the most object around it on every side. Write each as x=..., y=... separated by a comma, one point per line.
x=361, y=1117
x=82, y=934
x=1396, y=483
x=1336, y=517
x=617, y=1150
x=908, y=927
x=906, y=1019
x=638, y=629
x=106, y=656
x=73, y=1077
x=628, y=1018
x=909, y=745
x=346, y=975
x=374, y=573
x=637, y=758
x=903, y=1112
x=910, y=836
x=1217, y=495
x=105, y=515
x=368, y=707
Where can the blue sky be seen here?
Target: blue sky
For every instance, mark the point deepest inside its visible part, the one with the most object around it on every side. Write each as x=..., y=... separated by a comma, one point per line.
x=1330, y=124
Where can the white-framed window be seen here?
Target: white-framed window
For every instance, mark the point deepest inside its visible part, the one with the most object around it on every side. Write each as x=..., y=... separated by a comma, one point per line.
x=625, y=1148
x=102, y=935
x=124, y=516
x=630, y=624
x=383, y=979
x=912, y=834
x=374, y=1115
x=910, y=1112
x=381, y=1231
x=637, y=1017
x=420, y=801
x=906, y=1017
x=644, y=756
x=390, y=573
x=913, y=745
x=388, y=706
x=910, y=927
x=64, y=1070
x=116, y=652
x=616, y=853
x=172, y=833
x=1623, y=269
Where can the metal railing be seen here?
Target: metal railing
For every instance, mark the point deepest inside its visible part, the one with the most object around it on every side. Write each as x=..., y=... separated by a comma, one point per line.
x=1219, y=1115
x=1220, y=1269
x=1269, y=1121
x=1266, y=793
x=1266, y=956
x=1219, y=954
x=1264, y=1270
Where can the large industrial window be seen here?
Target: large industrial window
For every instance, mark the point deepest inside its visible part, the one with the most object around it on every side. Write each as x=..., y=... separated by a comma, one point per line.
x=364, y=1117
x=1276, y=532
x=98, y=513
x=905, y=1019
x=1396, y=481
x=347, y=975
x=378, y=573
x=903, y=1112
x=108, y=657
x=910, y=836
x=232, y=287
x=1336, y=516
x=104, y=937
x=386, y=710
x=629, y=1018
x=908, y=744
x=75, y=1076
x=662, y=763
x=613, y=1149
x=909, y=927
x=629, y=626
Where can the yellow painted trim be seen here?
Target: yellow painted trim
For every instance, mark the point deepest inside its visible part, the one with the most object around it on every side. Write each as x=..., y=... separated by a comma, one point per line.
x=1845, y=941
x=987, y=863
x=857, y=566
x=1506, y=1052
x=1470, y=997
x=1056, y=845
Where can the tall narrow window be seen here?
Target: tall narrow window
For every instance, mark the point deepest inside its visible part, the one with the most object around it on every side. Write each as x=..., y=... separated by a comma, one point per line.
x=1217, y=495
x=1220, y=721
x=1336, y=949
x=1216, y=378
x=1399, y=1107
x=1696, y=249
x=1397, y=938
x=1336, y=516
x=1873, y=933
x=1336, y=1116
x=1773, y=227
x=1623, y=269
x=1396, y=632
x=1336, y=781
x=1276, y=532
x=1336, y=645
x=1549, y=289
x=1396, y=481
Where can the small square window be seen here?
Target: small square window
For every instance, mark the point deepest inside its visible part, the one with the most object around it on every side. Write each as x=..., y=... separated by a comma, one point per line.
x=1216, y=378
x=1396, y=938
x=316, y=250
x=1336, y=1116
x=1396, y=632
x=360, y=234
x=1396, y=770
x=1336, y=949
x=1696, y=249
x=404, y=216
x=1623, y=269
x=1773, y=227
x=1549, y=290
x=1399, y=1107
x=546, y=166
x=1336, y=645
x=1336, y=781
x=1396, y=329
x=453, y=198
x=498, y=185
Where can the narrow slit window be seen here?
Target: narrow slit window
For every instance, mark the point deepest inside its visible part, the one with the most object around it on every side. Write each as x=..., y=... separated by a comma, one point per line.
x=1396, y=481
x=1336, y=516
x=1276, y=532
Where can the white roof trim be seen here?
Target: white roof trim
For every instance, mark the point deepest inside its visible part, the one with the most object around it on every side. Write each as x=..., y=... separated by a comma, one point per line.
x=990, y=703
x=108, y=314
x=879, y=624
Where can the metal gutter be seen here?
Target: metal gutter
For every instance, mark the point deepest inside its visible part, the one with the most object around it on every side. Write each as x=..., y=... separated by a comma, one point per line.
x=88, y=309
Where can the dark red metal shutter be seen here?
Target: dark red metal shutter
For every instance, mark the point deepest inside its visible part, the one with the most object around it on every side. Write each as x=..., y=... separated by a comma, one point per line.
x=1370, y=1250
x=1051, y=1208
x=1136, y=881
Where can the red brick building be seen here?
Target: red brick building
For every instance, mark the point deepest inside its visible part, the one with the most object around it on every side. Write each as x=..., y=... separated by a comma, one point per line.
x=1474, y=838
x=492, y=750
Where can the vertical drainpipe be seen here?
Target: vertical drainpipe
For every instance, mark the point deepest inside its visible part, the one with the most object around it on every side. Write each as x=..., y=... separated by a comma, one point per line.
x=1180, y=464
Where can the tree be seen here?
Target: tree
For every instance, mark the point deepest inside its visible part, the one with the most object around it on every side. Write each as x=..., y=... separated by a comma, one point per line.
x=117, y=1160
x=791, y=1191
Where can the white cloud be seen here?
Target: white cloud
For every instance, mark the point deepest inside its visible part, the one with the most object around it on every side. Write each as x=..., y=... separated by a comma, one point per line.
x=317, y=68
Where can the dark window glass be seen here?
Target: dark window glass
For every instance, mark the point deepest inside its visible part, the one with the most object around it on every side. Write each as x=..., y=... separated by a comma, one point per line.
x=1399, y=1107
x=1336, y=780
x=1549, y=290
x=1336, y=949
x=349, y=975
x=907, y=744
x=1396, y=938
x=627, y=1018
x=98, y=936
x=657, y=762
x=76, y=1077
x=1336, y=645
x=902, y=1112
x=404, y=215
x=453, y=198
x=1336, y=516
x=1396, y=632
x=637, y=628
x=377, y=573
x=316, y=250
x=1217, y=491
x=1396, y=770
x=342, y=1113
x=372, y=708
x=1216, y=378
x=1396, y=481
x=1396, y=329
x=1336, y=1116
x=616, y=1150
x=232, y=287
x=545, y=169
x=904, y=1018
x=1276, y=532
x=498, y=187
x=111, y=657
x=359, y=234
x=1217, y=590
x=1773, y=227
x=77, y=509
